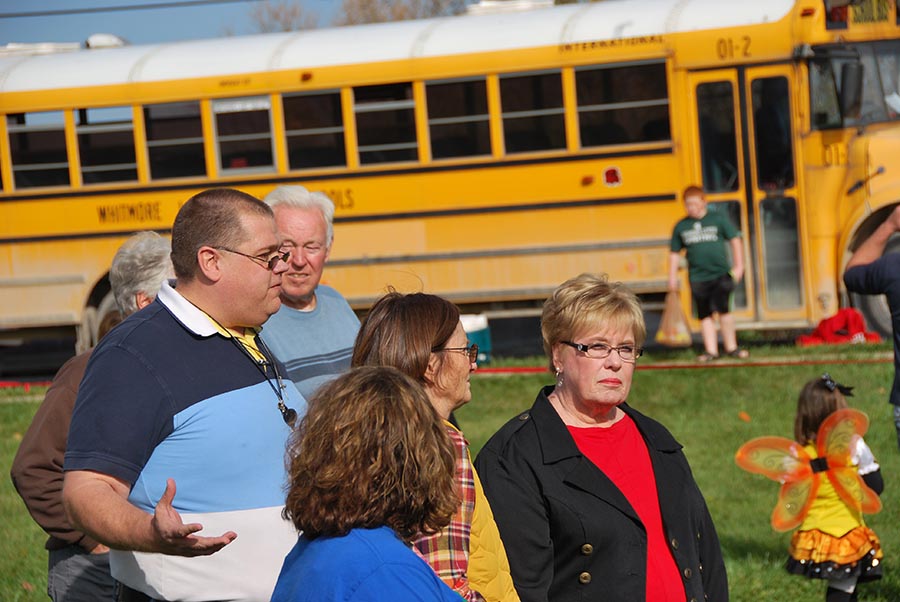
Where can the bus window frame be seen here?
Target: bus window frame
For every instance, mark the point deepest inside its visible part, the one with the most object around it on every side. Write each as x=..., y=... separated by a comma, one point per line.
x=625, y=105
x=16, y=167
x=479, y=119
x=265, y=101
x=762, y=117
x=867, y=53
x=338, y=130
x=737, y=177
x=84, y=126
x=151, y=144
x=385, y=106
x=560, y=112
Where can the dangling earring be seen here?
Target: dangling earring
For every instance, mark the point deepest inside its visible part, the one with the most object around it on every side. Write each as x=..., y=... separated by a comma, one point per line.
x=559, y=377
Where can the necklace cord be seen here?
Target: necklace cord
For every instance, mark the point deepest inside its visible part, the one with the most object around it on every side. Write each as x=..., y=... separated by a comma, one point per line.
x=288, y=414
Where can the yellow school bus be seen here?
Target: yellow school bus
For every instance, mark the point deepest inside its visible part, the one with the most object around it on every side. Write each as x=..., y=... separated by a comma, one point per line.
x=485, y=158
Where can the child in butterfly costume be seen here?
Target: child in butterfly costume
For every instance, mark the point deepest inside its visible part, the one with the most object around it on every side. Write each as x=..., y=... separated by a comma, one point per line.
x=829, y=479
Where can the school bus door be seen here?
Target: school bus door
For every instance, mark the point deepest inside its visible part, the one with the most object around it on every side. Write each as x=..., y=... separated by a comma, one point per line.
x=769, y=106
x=745, y=175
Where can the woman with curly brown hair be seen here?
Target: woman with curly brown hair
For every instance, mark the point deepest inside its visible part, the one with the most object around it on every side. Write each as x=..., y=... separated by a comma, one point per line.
x=370, y=468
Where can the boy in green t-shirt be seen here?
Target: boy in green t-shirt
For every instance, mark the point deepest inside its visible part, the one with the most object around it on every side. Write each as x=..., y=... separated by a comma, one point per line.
x=703, y=234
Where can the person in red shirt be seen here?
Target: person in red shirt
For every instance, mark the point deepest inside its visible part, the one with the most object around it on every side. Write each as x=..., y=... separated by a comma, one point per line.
x=594, y=500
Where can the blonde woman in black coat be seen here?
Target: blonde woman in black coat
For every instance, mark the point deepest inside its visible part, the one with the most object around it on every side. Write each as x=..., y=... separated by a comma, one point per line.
x=594, y=500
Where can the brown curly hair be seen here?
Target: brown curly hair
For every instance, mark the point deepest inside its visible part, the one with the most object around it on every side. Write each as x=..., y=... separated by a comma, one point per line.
x=371, y=451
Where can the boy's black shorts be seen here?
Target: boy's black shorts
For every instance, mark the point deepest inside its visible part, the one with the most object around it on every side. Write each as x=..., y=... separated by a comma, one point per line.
x=713, y=296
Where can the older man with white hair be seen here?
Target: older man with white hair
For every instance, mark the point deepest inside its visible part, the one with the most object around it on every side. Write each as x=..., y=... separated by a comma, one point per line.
x=314, y=331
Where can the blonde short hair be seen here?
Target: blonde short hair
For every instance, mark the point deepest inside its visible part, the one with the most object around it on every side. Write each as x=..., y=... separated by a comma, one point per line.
x=589, y=300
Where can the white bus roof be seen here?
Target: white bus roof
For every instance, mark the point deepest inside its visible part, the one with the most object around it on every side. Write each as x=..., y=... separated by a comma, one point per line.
x=572, y=23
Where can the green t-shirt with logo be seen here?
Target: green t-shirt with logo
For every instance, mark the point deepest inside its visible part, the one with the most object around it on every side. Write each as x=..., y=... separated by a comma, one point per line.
x=704, y=240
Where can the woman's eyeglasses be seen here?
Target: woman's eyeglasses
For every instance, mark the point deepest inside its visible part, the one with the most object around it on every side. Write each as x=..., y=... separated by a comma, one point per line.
x=267, y=261
x=471, y=351
x=627, y=353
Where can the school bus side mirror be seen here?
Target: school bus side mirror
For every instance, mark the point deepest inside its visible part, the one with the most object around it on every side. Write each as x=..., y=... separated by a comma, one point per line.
x=851, y=89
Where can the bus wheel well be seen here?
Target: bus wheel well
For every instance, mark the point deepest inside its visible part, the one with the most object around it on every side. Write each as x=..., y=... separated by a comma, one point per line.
x=869, y=225
x=874, y=308
x=99, y=302
x=99, y=292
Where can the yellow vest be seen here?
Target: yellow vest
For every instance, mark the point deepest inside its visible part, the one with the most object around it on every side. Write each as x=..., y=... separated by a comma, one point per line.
x=488, y=565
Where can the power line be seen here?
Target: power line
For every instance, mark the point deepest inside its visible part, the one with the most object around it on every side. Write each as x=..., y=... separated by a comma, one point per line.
x=110, y=9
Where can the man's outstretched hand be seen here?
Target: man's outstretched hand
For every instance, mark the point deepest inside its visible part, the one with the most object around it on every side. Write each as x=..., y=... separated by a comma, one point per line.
x=175, y=537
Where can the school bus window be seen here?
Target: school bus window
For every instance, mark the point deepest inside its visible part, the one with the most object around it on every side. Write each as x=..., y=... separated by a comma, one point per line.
x=881, y=90
x=718, y=137
x=532, y=108
x=458, y=120
x=315, y=130
x=385, y=123
x=875, y=101
x=628, y=103
x=873, y=105
x=823, y=95
x=106, y=145
x=37, y=143
x=781, y=251
x=887, y=55
x=174, y=140
x=772, y=133
x=244, y=133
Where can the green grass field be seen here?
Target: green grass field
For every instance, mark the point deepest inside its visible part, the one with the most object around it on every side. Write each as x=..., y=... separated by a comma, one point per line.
x=700, y=406
x=23, y=561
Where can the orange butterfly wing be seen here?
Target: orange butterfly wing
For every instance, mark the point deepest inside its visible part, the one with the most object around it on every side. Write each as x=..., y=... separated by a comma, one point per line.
x=794, y=501
x=839, y=433
x=853, y=490
x=788, y=463
x=836, y=441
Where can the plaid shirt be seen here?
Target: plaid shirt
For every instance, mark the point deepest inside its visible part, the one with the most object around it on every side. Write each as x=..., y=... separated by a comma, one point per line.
x=447, y=552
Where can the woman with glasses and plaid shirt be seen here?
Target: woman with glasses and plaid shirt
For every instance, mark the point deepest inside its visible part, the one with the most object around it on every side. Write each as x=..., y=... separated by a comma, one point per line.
x=422, y=336
x=594, y=500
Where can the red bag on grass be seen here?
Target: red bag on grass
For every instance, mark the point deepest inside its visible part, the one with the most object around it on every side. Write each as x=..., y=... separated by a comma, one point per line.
x=846, y=326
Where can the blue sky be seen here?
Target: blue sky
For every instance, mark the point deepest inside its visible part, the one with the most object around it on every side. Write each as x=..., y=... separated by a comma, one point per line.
x=136, y=26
